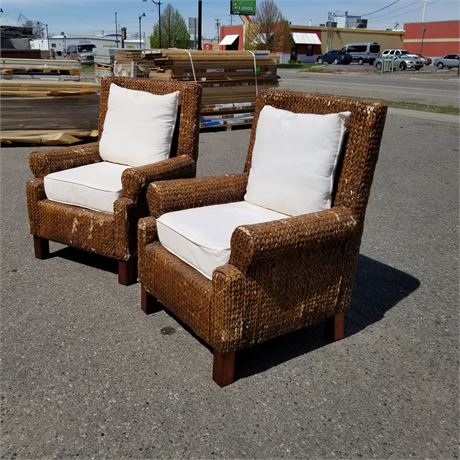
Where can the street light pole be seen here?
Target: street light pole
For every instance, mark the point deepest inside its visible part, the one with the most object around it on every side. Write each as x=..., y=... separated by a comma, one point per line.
x=47, y=35
x=158, y=3
x=140, y=30
x=47, y=38
x=116, y=29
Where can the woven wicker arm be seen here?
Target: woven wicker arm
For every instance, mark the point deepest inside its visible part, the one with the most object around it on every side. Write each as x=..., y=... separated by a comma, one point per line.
x=282, y=275
x=50, y=160
x=134, y=180
x=146, y=232
x=281, y=239
x=35, y=192
x=179, y=194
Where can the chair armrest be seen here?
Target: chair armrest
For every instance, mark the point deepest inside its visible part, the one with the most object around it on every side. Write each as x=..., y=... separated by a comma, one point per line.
x=135, y=179
x=281, y=239
x=146, y=232
x=44, y=162
x=179, y=194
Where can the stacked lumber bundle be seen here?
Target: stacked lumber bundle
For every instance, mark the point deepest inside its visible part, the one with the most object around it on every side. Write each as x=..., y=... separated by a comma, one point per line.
x=230, y=81
x=48, y=112
x=43, y=69
x=135, y=63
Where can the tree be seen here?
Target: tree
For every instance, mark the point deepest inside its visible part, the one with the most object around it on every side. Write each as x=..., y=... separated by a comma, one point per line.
x=269, y=29
x=174, y=33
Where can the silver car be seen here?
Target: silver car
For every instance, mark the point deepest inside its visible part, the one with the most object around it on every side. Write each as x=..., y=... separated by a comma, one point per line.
x=449, y=60
x=403, y=62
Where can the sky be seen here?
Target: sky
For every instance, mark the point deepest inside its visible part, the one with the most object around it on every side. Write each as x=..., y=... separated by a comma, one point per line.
x=91, y=17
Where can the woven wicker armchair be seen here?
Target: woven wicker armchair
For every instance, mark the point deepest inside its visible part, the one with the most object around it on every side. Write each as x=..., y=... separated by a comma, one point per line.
x=111, y=234
x=282, y=275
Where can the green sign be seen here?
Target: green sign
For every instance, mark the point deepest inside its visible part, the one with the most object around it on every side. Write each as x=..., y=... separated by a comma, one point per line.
x=243, y=7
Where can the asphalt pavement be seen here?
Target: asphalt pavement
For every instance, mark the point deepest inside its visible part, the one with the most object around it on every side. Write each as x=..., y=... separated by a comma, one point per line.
x=85, y=374
x=433, y=87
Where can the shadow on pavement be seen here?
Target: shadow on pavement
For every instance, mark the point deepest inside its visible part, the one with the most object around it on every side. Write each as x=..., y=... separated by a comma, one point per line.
x=377, y=288
x=87, y=258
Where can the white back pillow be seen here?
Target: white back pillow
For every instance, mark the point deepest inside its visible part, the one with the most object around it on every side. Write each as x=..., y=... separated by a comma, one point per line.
x=294, y=160
x=138, y=126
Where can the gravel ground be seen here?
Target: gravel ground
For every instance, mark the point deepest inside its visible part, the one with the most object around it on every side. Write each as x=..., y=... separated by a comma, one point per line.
x=85, y=374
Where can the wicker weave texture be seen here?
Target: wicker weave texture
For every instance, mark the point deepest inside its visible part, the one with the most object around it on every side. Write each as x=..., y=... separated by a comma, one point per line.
x=113, y=235
x=282, y=275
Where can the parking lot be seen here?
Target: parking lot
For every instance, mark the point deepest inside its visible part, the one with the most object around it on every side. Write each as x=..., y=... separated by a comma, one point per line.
x=86, y=374
x=430, y=86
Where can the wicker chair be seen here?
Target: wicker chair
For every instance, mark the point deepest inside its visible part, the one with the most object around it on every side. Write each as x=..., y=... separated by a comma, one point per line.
x=111, y=234
x=282, y=275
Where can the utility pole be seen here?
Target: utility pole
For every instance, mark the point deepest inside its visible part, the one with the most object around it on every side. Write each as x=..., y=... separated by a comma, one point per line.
x=423, y=37
x=200, y=18
x=424, y=10
x=218, y=27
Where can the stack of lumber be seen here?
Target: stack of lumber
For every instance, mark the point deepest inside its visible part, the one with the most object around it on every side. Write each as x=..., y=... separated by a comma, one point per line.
x=230, y=79
x=135, y=63
x=104, y=56
x=48, y=112
x=103, y=62
x=42, y=69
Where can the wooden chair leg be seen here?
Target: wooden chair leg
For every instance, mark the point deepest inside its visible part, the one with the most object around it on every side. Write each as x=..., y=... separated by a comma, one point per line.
x=127, y=272
x=148, y=303
x=335, y=327
x=223, y=370
x=41, y=247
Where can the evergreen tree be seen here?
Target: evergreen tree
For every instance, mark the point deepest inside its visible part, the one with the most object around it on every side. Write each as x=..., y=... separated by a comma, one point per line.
x=174, y=33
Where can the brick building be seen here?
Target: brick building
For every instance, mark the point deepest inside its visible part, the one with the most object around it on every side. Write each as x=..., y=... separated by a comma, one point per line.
x=432, y=38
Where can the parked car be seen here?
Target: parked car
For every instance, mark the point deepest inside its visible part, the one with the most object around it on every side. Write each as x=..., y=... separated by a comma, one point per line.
x=425, y=60
x=363, y=51
x=402, y=62
x=335, y=57
x=394, y=52
x=449, y=60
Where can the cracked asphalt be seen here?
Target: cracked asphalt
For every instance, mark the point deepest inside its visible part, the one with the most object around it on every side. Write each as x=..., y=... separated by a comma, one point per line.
x=85, y=374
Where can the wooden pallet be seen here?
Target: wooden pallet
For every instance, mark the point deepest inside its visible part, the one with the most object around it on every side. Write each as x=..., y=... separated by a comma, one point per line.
x=225, y=127
x=39, y=69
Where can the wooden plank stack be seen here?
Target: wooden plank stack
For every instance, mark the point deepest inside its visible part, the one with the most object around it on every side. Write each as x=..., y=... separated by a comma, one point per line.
x=230, y=79
x=48, y=112
x=48, y=69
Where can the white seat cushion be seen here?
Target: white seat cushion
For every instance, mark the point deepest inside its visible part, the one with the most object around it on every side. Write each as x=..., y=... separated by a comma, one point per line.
x=95, y=186
x=294, y=160
x=138, y=126
x=201, y=236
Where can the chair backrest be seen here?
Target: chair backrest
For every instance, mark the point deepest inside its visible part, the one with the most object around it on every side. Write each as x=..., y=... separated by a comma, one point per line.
x=360, y=152
x=186, y=134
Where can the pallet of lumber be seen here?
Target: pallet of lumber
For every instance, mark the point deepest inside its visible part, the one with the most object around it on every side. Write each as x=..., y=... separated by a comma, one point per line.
x=59, y=69
x=34, y=109
x=43, y=88
x=48, y=137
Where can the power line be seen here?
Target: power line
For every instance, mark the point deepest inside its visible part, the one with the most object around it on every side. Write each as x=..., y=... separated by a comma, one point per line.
x=383, y=18
x=385, y=7
x=397, y=9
